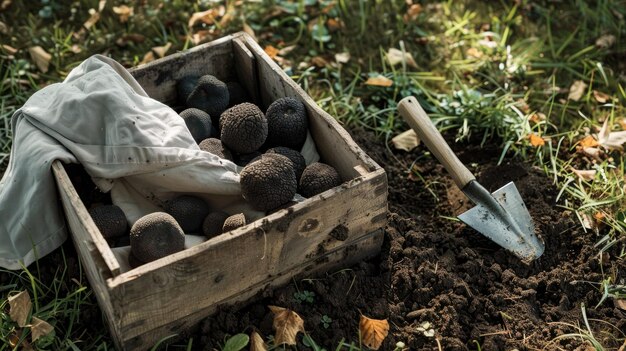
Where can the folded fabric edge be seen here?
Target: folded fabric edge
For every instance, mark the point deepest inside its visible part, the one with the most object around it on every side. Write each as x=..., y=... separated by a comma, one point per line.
x=38, y=251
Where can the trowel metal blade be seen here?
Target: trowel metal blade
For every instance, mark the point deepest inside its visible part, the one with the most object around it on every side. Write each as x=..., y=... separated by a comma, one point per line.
x=518, y=236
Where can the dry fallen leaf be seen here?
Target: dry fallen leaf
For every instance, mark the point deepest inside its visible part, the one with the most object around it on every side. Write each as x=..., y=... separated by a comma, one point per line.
x=249, y=30
x=588, y=141
x=412, y=12
x=287, y=324
x=257, y=343
x=599, y=216
x=537, y=117
x=406, y=141
x=577, y=90
x=373, y=331
x=586, y=174
x=621, y=304
x=271, y=51
x=601, y=97
x=9, y=49
x=93, y=19
x=160, y=51
x=395, y=57
x=20, y=307
x=4, y=29
x=319, y=61
x=124, y=12
x=379, y=81
x=202, y=36
x=622, y=123
x=41, y=57
x=593, y=152
x=605, y=41
x=286, y=50
x=5, y=4
x=342, y=57
x=536, y=140
x=611, y=140
x=473, y=52
x=148, y=57
x=40, y=328
x=207, y=17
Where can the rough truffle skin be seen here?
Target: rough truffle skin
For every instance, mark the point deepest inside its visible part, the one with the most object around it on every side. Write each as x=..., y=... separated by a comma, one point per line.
x=243, y=128
x=317, y=178
x=296, y=158
x=184, y=87
x=198, y=122
x=236, y=93
x=215, y=146
x=233, y=222
x=213, y=224
x=110, y=220
x=269, y=182
x=154, y=236
x=210, y=95
x=188, y=211
x=287, y=123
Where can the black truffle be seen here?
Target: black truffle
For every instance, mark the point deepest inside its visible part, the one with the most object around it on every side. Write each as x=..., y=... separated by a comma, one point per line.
x=245, y=159
x=296, y=158
x=236, y=93
x=233, y=222
x=154, y=236
x=211, y=96
x=198, y=122
x=189, y=212
x=317, y=178
x=184, y=87
x=215, y=147
x=243, y=128
x=110, y=220
x=213, y=224
x=269, y=182
x=287, y=123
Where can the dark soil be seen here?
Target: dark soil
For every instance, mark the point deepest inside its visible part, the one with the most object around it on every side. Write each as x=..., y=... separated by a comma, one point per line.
x=433, y=269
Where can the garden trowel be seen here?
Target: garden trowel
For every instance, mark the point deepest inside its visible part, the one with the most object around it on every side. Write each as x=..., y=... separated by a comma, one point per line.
x=501, y=216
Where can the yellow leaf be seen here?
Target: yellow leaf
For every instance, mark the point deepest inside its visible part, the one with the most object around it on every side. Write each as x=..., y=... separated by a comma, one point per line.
x=412, y=12
x=20, y=307
x=124, y=12
x=41, y=57
x=601, y=97
x=287, y=324
x=395, y=57
x=271, y=51
x=577, y=90
x=256, y=342
x=207, y=17
x=249, y=30
x=380, y=81
x=473, y=52
x=148, y=57
x=536, y=140
x=373, y=331
x=605, y=41
x=587, y=174
x=588, y=141
x=406, y=141
x=39, y=328
x=162, y=50
x=622, y=123
x=598, y=216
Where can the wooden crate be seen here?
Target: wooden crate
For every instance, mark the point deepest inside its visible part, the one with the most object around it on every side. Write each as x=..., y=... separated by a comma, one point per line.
x=334, y=229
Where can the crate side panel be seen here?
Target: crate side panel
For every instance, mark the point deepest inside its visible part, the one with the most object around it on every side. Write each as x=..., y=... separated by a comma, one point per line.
x=343, y=257
x=159, y=78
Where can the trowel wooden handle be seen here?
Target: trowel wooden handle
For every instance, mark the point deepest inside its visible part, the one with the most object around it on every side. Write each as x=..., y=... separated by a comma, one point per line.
x=426, y=131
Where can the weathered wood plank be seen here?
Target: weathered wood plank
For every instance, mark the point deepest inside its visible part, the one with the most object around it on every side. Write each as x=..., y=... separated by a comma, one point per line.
x=246, y=67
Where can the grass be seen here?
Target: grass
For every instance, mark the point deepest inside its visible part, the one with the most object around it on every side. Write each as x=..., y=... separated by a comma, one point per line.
x=487, y=72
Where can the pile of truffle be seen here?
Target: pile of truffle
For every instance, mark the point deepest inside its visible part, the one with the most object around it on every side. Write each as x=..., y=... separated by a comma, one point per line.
x=266, y=146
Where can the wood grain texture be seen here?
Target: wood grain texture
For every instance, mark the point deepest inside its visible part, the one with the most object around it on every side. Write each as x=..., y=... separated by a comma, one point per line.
x=246, y=68
x=426, y=131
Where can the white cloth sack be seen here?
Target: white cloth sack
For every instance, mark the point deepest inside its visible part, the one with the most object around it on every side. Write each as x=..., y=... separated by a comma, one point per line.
x=130, y=144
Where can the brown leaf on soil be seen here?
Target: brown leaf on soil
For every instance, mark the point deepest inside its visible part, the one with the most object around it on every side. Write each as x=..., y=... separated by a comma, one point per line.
x=334, y=24
x=93, y=19
x=379, y=81
x=148, y=57
x=599, y=216
x=395, y=57
x=20, y=307
x=208, y=17
x=373, y=331
x=536, y=140
x=577, y=90
x=40, y=57
x=160, y=51
x=412, y=12
x=9, y=49
x=271, y=51
x=201, y=36
x=287, y=324
x=588, y=141
x=257, y=343
x=406, y=141
x=319, y=61
x=611, y=140
x=586, y=174
x=621, y=304
x=39, y=328
x=601, y=97
x=592, y=152
x=622, y=123
x=623, y=347
x=249, y=30
x=123, y=12
x=537, y=117
x=605, y=41
x=5, y=4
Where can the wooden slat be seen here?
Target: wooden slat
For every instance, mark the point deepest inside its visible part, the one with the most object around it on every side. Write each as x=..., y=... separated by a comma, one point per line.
x=345, y=256
x=246, y=67
x=332, y=141
x=158, y=78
